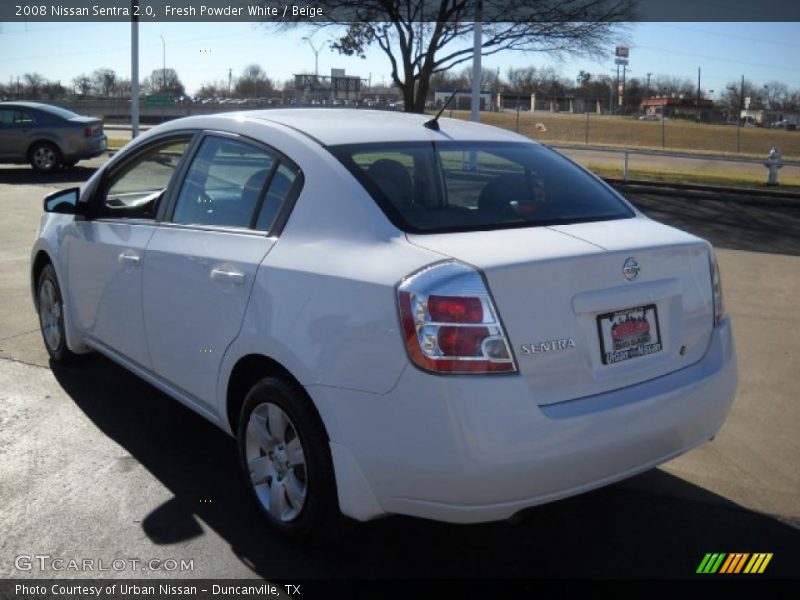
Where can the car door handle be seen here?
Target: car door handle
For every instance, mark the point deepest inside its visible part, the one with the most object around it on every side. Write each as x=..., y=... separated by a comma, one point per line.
x=129, y=259
x=227, y=276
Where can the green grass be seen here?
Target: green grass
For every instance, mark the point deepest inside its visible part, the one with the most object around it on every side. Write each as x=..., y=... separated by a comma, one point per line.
x=678, y=134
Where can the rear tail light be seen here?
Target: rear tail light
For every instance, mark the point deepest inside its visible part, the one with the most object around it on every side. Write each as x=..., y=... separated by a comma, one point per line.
x=716, y=286
x=87, y=131
x=450, y=323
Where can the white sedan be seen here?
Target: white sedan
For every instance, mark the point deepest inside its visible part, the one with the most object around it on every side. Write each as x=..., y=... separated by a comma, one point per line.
x=445, y=320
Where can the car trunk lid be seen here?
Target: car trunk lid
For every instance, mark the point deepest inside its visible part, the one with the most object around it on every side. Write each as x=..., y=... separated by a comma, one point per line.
x=95, y=126
x=577, y=324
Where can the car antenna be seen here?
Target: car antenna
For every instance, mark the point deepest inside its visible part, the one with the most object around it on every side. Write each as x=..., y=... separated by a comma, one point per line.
x=434, y=122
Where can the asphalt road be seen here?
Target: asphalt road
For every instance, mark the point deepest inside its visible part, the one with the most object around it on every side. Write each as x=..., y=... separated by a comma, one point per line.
x=95, y=463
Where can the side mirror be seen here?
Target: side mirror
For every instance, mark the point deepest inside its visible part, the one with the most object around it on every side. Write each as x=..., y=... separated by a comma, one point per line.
x=64, y=202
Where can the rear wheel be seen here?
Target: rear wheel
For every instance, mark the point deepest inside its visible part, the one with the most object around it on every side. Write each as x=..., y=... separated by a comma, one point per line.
x=286, y=461
x=45, y=157
x=50, y=306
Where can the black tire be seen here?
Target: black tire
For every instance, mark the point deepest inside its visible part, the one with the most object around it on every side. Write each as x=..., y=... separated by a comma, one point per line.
x=44, y=157
x=68, y=164
x=51, y=320
x=319, y=513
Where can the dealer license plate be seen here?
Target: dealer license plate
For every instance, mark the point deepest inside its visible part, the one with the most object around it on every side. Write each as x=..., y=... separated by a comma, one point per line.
x=629, y=333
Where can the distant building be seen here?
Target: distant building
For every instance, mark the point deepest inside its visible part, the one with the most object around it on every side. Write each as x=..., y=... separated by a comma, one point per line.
x=677, y=106
x=462, y=99
x=767, y=118
x=321, y=88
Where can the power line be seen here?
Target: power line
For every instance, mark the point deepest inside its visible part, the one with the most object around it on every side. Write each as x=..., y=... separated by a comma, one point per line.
x=719, y=58
x=727, y=35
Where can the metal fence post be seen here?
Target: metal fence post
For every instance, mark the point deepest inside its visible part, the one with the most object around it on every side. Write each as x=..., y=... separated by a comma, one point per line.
x=517, y=114
x=587, y=126
x=625, y=169
x=663, y=130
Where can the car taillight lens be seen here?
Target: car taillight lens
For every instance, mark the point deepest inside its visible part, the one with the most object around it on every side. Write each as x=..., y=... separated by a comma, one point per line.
x=716, y=286
x=87, y=131
x=450, y=323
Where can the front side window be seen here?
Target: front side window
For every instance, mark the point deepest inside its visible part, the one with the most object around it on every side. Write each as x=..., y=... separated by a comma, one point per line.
x=137, y=189
x=225, y=184
x=7, y=116
x=459, y=186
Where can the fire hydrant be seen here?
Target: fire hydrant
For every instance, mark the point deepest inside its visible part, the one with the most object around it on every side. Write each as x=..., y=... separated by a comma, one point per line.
x=773, y=164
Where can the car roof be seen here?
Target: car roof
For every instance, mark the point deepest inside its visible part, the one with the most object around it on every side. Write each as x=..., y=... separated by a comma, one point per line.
x=23, y=104
x=337, y=126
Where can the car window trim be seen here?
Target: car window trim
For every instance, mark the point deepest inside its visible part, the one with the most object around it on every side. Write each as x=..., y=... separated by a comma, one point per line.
x=276, y=163
x=282, y=217
x=278, y=158
x=104, y=184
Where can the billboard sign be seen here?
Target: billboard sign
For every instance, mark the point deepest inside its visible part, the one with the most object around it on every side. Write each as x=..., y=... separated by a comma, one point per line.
x=621, y=61
x=622, y=51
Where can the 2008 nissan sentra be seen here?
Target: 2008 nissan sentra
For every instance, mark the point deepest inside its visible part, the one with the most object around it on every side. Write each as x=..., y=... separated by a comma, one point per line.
x=455, y=323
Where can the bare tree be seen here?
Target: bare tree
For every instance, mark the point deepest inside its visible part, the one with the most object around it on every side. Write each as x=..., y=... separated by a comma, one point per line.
x=163, y=81
x=33, y=83
x=733, y=99
x=253, y=82
x=424, y=37
x=776, y=95
x=667, y=85
x=104, y=82
x=82, y=84
x=213, y=89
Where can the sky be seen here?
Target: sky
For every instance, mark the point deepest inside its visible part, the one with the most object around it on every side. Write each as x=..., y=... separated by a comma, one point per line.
x=202, y=52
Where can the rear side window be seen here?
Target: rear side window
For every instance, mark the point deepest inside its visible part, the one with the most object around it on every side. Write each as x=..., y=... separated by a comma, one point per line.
x=224, y=185
x=426, y=187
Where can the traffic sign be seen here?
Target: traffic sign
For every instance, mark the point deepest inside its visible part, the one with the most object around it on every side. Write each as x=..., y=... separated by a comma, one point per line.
x=158, y=101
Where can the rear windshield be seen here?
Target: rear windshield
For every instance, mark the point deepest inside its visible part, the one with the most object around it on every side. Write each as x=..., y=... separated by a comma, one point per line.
x=428, y=187
x=59, y=112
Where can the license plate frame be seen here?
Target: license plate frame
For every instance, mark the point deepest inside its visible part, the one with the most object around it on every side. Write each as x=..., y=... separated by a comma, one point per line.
x=629, y=333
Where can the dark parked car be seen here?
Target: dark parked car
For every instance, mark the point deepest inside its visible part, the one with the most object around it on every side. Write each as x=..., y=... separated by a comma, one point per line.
x=47, y=136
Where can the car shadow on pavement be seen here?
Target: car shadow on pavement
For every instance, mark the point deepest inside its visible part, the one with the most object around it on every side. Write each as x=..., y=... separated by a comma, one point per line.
x=654, y=525
x=25, y=175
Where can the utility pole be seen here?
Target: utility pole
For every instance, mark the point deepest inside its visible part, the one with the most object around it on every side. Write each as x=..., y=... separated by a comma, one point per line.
x=697, y=104
x=163, y=65
x=134, y=69
x=230, y=76
x=622, y=95
x=739, y=117
x=477, y=42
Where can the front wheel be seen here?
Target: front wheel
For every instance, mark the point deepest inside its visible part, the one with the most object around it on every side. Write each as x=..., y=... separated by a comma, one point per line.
x=285, y=459
x=50, y=305
x=45, y=157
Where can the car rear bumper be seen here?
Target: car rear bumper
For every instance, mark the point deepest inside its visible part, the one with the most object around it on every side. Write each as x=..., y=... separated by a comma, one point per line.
x=86, y=148
x=470, y=449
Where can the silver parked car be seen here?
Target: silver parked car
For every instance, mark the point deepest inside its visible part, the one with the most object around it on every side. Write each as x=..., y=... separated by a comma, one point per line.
x=47, y=136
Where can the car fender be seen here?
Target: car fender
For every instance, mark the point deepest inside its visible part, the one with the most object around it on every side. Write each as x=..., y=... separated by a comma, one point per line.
x=46, y=136
x=47, y=240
